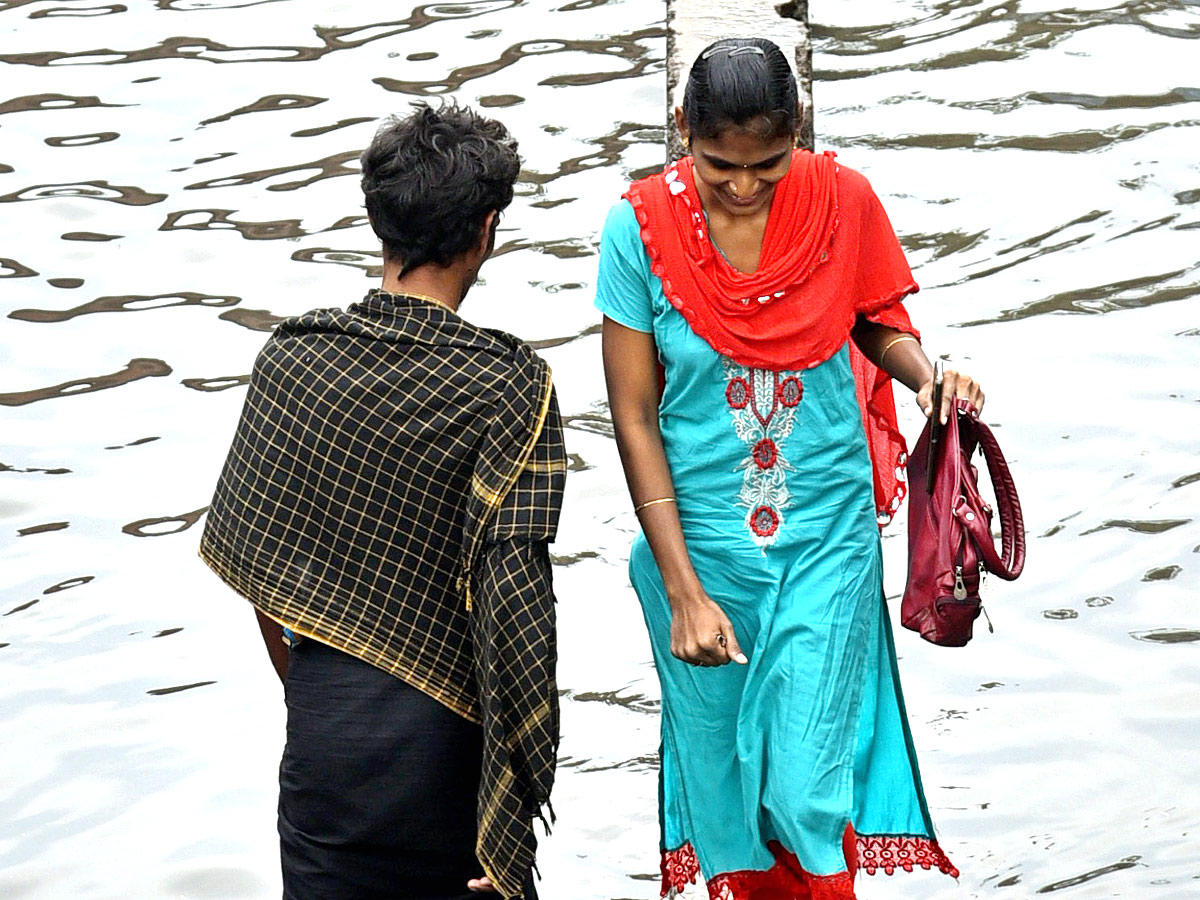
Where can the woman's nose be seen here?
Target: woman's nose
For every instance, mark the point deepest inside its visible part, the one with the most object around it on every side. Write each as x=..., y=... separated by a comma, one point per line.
x=742, y=182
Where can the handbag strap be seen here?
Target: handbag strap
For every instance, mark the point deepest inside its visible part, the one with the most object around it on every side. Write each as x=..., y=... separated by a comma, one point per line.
x=1009, y=563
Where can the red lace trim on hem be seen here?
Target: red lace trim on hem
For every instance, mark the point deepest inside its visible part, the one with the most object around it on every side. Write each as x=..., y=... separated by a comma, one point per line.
x=787, y=879
x=901, y=851
x=679, y=868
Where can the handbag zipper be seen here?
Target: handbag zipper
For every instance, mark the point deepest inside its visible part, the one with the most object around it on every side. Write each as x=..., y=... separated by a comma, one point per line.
x=960, y=589
x=983, y=609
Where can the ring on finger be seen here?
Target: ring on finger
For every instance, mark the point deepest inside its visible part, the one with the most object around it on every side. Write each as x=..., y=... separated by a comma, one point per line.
x=721, y=639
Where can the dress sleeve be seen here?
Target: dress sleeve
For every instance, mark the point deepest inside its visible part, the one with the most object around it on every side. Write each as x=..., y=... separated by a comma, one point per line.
x=883, y=277
x=623, y=281
x=883, y=280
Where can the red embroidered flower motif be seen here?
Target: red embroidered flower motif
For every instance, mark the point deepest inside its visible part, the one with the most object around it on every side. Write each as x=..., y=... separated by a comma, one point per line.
x=738, y=393
x=791, y=390
x=679, y=868
x=765, y=453
x=764, y=521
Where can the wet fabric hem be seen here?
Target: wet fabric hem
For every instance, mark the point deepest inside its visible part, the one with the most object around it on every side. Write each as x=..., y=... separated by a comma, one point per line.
x=889, y=853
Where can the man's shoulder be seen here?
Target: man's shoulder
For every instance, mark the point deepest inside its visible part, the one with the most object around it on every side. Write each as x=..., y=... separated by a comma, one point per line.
x=492, y=355
x=513, y=347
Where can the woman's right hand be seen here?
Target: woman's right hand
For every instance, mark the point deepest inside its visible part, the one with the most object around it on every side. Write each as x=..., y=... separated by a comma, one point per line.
x=701, y=633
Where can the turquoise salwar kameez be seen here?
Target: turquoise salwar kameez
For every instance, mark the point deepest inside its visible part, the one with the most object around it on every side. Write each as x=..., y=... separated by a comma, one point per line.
x=766, y=766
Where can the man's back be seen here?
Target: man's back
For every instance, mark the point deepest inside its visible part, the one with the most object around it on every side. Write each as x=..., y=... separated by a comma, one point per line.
x=388, y=497
x=352, y=469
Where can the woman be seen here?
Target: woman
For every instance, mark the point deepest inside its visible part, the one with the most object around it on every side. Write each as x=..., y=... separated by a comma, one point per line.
x=751, y=298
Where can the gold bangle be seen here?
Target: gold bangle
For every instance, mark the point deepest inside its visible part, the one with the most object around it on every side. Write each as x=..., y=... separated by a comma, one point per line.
x=637, y=509
x=892, y=343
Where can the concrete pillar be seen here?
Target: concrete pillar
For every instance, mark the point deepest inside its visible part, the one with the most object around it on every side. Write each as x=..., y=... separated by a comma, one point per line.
x=694, y=24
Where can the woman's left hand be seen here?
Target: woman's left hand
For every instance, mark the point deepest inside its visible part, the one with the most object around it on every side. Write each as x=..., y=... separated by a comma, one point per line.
x=954, y=385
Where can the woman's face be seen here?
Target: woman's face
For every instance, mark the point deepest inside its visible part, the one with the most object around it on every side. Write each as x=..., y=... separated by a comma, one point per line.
x=736, y=171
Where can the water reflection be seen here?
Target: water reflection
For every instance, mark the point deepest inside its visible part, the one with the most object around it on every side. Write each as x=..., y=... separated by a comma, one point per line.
x=90, y=236
x=254, y=319
x=329, y=167
x=1162, y=573
x=1131, y=293
x=78, y=11
x=133, y=303
x=1048, y=205
x=1167, y=636
x=325, y=129
x=52, y=101
x=219, y=220
x=24, y=606
x=137, y=443
x=354, y=258
x=135, y=371
x=1010, y=34
x=210, y=385
x=82, y=140
x=1083, y=141
x=159, y=526
x=10, y=268
x=626, y=48
x=268, y=103
x=44, y=528
x=128, y=195
x=332, y=38
x=58, y=470
x=69, y=583
x=1127, y=863
x=163, y=691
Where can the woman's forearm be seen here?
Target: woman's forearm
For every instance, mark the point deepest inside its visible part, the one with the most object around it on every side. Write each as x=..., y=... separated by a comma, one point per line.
x=632, y=378
x=896, y=352
x=649, y=479
x=900, y=355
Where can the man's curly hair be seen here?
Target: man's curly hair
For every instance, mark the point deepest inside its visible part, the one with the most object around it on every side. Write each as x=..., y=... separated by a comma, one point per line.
x=430, y=178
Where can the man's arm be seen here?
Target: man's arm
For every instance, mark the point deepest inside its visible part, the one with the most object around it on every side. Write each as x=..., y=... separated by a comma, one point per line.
x=272, y=633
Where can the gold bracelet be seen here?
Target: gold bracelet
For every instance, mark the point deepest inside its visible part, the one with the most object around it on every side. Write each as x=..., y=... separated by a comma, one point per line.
x=892, y=343
x=637, y=509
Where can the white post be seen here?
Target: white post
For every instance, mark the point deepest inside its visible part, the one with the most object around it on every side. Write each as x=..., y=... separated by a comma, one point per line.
x=694, y=24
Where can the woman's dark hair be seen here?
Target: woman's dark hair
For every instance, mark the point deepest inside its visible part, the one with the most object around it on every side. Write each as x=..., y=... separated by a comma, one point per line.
x=430, y=178
x=737, y=80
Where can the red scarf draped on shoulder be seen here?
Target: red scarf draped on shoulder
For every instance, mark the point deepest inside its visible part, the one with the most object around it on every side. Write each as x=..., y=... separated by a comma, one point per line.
x=829, y=254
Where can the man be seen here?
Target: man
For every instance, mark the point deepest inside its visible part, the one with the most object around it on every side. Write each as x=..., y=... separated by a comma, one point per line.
x=386, y=505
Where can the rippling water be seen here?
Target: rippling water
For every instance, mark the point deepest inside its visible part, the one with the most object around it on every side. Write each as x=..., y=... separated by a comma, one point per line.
x=171, y=183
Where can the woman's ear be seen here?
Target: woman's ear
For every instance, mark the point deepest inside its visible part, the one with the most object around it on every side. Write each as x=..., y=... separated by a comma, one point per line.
x=681, y=124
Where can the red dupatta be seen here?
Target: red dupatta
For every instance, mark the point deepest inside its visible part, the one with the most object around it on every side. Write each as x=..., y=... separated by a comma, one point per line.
x=829, y=254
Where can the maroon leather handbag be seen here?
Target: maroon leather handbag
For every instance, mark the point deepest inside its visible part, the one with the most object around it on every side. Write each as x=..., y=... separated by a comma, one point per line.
x=950, y=543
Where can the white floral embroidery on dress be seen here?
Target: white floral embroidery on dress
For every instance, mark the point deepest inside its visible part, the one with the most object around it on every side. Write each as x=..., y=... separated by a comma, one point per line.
x=764, y=404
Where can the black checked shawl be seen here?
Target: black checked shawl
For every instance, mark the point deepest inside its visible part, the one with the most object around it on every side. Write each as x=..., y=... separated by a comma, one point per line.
x=392, y=483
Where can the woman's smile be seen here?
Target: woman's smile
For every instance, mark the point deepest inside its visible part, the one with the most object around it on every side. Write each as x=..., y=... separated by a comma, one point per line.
x=729, y=195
